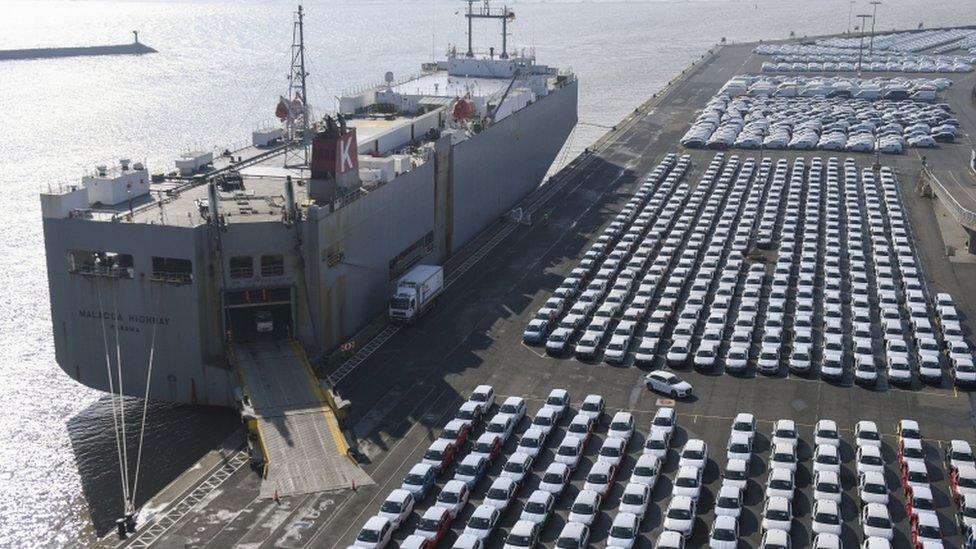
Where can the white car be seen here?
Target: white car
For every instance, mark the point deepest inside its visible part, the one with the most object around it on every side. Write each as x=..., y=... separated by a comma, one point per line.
x=784, y=430
x=827, y=517
x=574, y=535
x=531, y=442
x=592, y=407
x=635, y=499
x=777, y=514
x=523, y=534
x=728, y=502
x=397, y=507
x=694, y=454
x=827, y=486
x=739, y=447
x=501, y=493
x=453, y=497
x=680, y=516
x=826, y=433
x=776, y=539
x=569, y=451
x=538, y=508
x=827, y=541
x=558, y=401
x=866, y=434
x=555, y=478
x=958, y=453
x=915, y=474
x=585, y=508
x=600, y=478
x=513, y=406
x=466, y=541
x=483, y=522
x=736, y=473
x=545, y=420
x=501, y=425
x=517, y=467
x=668, y=384
x=876, y=522
x=665, y=420
x=670, y=540
x=744, y=424
x=375, y=534
x=725, y=533
x=826, y=458
x=415, y=541
x=621, y=426
x=623, y=531
x=688, y=482
x=780, y=483
x=871, y=488
x=869, y=459
x=646, y=470
x=657, y=443
x=783, y=456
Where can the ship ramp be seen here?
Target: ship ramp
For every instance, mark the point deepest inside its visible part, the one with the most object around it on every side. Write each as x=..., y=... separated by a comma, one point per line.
x=305, y=450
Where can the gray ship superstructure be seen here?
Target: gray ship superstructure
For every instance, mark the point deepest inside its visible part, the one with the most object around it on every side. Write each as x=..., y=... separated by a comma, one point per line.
x=245, y=245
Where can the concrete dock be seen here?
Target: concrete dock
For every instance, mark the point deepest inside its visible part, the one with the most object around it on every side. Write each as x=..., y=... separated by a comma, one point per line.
x=407, y=389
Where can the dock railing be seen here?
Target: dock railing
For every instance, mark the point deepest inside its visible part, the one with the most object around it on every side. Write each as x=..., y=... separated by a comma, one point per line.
x=961, y=214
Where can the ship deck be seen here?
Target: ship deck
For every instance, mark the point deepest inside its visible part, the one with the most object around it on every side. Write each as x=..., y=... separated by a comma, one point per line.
x=407, y=389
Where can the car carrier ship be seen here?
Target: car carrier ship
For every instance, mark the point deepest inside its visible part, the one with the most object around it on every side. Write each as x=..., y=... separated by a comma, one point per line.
x=302, y=235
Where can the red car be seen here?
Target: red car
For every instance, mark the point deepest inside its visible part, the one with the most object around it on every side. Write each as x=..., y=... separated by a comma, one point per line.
x=434, y=524
x=456, y=430
x=440, y=454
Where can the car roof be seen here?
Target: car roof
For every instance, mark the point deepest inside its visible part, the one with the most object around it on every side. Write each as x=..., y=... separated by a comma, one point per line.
x=523, y=527
x=440, y=444
x=826, y=475
x=829, y=503
x=471, y=460
x=870, y=450
x=376, y=523
x=556, y=467
x=587, y=495
x=483, y=389
x=728, y=490
x=485, y=437
x=454, y=485
x=737, y=463
x=484, y=511
x=574, y=529
x=503, y=482
x=744, y=416
x=725, y=521
x=559, y=393
x=959, y=445
x=780, y=472
x=520, y=456
x=540, y=496
x=435, y=512
x=421, y=469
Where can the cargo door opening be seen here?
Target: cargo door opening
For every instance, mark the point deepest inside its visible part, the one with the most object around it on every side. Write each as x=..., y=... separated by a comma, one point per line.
x=261, y=314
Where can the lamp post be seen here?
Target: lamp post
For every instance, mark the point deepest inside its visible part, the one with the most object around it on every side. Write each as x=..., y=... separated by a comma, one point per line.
x=850, y=12
x=874, y=19
x=860, y=48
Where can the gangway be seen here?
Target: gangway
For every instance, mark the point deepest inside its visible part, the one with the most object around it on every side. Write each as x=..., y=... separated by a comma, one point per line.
x=305, y=450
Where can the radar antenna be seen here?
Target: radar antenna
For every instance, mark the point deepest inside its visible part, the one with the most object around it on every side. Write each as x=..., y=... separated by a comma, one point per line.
x=299, y=112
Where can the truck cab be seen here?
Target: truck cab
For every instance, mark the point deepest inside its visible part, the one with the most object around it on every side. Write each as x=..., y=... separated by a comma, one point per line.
x=415, y=292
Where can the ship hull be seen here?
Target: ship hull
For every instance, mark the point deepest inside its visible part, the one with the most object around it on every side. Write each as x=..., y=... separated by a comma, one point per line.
x=337, y=268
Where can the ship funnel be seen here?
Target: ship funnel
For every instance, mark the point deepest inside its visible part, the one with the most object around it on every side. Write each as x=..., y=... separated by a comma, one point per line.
x=213, y=209
x=289, y=199
x=124, y=162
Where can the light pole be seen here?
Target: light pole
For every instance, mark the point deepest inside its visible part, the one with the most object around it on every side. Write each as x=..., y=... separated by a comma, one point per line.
x=874, y=18
x=860, y=47
x=850, y=11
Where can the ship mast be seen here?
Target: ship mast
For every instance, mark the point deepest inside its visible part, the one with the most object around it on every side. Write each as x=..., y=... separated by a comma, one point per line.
x=485, y=12
x=298, y=123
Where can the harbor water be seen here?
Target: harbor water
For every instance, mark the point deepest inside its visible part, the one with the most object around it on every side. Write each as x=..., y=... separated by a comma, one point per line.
x=217, y=75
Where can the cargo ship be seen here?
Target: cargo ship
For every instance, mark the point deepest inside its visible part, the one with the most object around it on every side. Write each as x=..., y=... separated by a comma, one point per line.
x=154, y=278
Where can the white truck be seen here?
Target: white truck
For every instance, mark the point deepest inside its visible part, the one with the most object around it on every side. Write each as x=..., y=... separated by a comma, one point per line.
x=416, y=292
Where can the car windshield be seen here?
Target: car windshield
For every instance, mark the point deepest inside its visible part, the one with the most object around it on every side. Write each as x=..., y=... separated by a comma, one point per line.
x=924, y=504
x=739, y=448
x=467, y=469
x=828, y=518
x=723, y=534
x=369, y=536
x=391, y=507
x=529, y=442
x=554, y=401
x=621, y=532
x=829, y=487
x=878, y=522
x=429, y=524
x=662, y=421
x=686, y=482
x=466, y=414
x=552, y=478
x=582, y=508
x=619, y=426
x=590, y=407
x=783, y=457
x=785, y=433
x=515, y=467
x=742, y=426
x=413, y=479
x=450, y=434
x=655, y=444
x=483, y=447
x=679, y=514
x=735, y=475
x=497, y=493
x=597, y=478
x=535, y=507
x=610, y=451
x=518, y=541
x=542, y=421
x=578, y=427
x=829, y=459
x=567, y=450
x=567, y=543
x=928, y=532
x=868, y=435
x=692, y=454
x=915, y=453
x=871, y=460
x=448, y=497
x=633, y=499
x=433, y=454
x=495, y=427
x=508, y=409
x=777, y=514
x=481, y=523
x=728, y=503
x=873, y=488
x=781, y=484
x=961, y=456
x=967, y=482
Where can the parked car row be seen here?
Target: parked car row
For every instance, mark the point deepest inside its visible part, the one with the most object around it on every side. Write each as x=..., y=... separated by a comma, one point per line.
x=846, y=265
x=805, y=114
x=903, y=41
x=816, y=58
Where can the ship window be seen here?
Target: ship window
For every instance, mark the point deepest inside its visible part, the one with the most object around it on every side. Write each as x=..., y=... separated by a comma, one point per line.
x=171, y=269
x=242, y=266
x=98, y=263
x=272, y=265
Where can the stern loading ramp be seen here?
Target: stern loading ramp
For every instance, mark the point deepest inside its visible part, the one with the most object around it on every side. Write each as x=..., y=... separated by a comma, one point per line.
x=305, y=450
